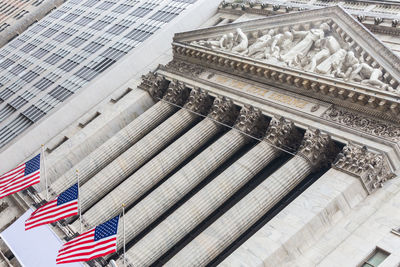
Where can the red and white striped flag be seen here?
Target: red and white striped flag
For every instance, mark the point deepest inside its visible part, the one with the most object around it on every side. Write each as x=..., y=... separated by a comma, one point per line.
x=21, y=177
x=97, y=242
x=65, y=205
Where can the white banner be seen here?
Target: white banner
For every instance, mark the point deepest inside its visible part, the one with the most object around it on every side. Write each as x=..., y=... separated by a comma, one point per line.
x=37, y=247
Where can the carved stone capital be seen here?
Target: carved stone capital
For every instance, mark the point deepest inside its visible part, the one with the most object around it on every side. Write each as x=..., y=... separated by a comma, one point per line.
x=317, y=148
x=155, y=84
x=177, y=93
x=372, y=168
x=250, y=121
x=199, y=101
x=282, y=133
x=224, y=110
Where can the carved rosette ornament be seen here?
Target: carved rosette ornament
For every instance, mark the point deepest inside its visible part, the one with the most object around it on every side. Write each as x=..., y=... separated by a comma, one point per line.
x=223, y=110
x=199, y=101
x=155, y=84
x=372, y=168
x=282, y=133
x=251, y=121
x=177, y=93
x=317, y=148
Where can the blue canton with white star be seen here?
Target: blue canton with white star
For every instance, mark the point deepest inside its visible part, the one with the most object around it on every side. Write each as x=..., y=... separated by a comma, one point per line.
x=68, y=195
x=32, y=165
x=106, y=229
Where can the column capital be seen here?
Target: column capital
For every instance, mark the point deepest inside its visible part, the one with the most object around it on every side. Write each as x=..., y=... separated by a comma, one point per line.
x=223, y=110
x=251, y=121
x=199, y=101
x=371, y=168
x=154, y=84
x=317, y=148
x=282, y=133
x=177, y=93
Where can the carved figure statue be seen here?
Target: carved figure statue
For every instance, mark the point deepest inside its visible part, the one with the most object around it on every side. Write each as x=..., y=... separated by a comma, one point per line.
x=325, y=47
x=366, y=74
x=303, y=47
x=280, y=42
x=332, y=63
x=260, y=44
x=345, y=67
x=226, y=42
x=243, y=43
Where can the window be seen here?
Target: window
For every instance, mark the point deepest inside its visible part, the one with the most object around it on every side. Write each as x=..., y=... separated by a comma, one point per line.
x=93, y=47
x=28, y=48
x=166, y=14
x=56, y=14
x=143, y=10
x=21, y=14
x=60, y=93
x=77, y=41
x=91, y=3
x=122, y=9
x=84, y=21
x=106, y=5
x=376, y=258
x=120, y=27
x=142, y=32
x=70, y=17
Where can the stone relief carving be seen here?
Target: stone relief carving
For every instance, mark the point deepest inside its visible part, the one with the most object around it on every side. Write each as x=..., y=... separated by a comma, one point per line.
x=251, y=121
x=363, y=123
x=184, y=67
x=177, y=93
x=155, y=84
x=282, y=133
x=224, y=110
x=315, y=49
x=199, y=101
x=371, y=168
x=317, y=148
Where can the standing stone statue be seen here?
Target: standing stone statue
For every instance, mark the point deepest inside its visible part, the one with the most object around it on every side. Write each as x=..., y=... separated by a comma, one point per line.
x=327, y=47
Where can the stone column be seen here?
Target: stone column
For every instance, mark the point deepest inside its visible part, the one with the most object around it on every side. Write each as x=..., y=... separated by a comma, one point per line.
x=154, y=170
x=177, y=186
x=315, y=150
x=124, y=139
x=212, y=196
x=137, y=155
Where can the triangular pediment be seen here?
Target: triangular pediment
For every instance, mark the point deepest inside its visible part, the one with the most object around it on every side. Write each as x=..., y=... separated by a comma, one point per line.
x=328, y=43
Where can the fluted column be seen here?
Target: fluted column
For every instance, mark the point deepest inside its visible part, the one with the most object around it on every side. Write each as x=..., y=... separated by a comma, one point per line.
x=158, y=167
x=177, y=186
x=315, y=150
x=121, y=141
x=137, y=155
x=213, y=195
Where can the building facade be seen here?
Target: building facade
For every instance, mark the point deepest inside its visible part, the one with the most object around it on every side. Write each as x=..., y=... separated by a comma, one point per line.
x=270, y=141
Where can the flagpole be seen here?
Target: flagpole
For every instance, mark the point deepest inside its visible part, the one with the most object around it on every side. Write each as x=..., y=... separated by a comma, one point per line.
x=79, y=200
x=44, y=172
x=123, y=225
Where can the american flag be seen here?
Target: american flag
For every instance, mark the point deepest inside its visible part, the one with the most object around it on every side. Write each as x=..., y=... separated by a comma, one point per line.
x=21, y=177
x=98, y=242
x=65, y=205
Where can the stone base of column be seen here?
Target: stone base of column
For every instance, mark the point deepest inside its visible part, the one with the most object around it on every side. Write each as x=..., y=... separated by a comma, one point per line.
x=301, y=223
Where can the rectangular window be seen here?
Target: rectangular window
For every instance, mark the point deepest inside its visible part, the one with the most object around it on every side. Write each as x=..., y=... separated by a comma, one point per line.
x=43, y=84
x=84, y=21
x=93, y=47
x=60, y=93
x=142, y=32
x=376, y=258
x=70, y=17
x=79, y=40
x=68, y=65
x=29, y=76
x=143, y=10
x=28, y=48
x=105, y=5
x=166, y=14
x=122, y=9
x=91, y=3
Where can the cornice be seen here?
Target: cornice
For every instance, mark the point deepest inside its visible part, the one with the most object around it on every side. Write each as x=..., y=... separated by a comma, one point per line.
x=363, y=99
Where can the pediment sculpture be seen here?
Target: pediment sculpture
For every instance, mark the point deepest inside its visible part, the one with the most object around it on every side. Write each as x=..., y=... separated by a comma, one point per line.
x=313, y=47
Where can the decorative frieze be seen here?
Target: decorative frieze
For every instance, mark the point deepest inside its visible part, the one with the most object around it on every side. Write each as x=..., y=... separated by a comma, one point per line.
x=177, y=93
x=372, y=168
x=363, y=123
x=223, y=110
x=155, y=84
x=199, y=101
x=251, y=121
x=184, y=67
x=317, y=148
x=283, y=133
